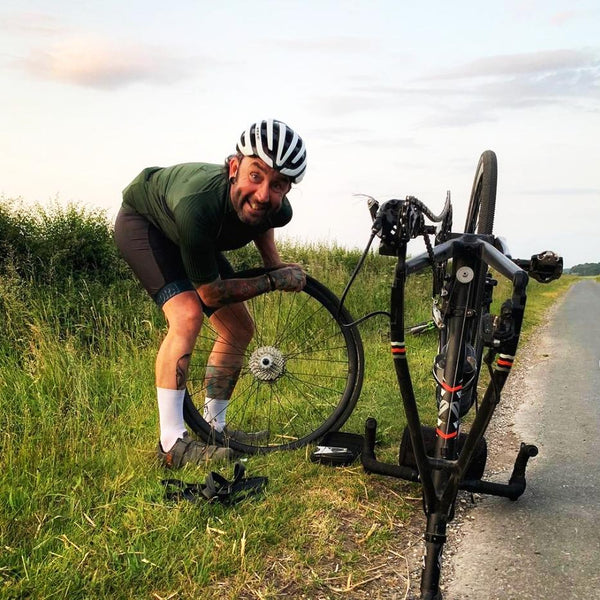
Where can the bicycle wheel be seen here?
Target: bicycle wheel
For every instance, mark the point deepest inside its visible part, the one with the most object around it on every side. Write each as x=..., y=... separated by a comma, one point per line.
x=301, y=374
x=482, y=205
x=480, y=219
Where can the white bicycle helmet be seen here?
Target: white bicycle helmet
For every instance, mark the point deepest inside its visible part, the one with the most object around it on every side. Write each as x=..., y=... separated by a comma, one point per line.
x=277, y=145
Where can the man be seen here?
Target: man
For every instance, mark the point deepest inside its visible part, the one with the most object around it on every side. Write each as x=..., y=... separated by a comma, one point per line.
x=171, y=229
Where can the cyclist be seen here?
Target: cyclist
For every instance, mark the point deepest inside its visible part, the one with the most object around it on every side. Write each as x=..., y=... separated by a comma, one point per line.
x=172, y=227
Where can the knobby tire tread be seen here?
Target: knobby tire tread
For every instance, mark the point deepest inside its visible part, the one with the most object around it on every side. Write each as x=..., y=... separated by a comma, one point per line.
x=480, y=220
x=482, y=204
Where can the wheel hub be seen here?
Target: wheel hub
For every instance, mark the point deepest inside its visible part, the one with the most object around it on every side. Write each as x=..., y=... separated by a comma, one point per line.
x=267, y=363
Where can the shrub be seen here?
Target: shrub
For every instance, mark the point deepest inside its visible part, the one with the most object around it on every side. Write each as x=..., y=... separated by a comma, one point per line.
x=56, y=244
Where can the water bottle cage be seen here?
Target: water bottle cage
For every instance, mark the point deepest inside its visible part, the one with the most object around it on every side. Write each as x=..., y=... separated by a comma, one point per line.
x=469, y=369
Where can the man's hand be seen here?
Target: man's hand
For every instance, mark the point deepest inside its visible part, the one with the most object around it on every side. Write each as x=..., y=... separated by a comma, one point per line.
x=290, y=278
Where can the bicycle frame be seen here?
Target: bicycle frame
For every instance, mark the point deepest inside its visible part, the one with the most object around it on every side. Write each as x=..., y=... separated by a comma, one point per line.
x=443, y=474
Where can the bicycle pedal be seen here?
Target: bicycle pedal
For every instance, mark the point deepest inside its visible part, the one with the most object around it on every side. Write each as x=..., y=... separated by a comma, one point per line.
x=338, y=448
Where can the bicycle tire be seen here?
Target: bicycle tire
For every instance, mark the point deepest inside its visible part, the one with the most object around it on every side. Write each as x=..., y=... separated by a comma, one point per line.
x=317, y=378
x=482, y=204
x=480, y=220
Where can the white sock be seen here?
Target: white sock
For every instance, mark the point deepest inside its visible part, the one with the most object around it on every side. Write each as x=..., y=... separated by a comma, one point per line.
x=214, y=412
x=170, y=415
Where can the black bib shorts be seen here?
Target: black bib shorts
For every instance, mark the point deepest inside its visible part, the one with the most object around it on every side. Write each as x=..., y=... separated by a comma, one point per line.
x=155, y=259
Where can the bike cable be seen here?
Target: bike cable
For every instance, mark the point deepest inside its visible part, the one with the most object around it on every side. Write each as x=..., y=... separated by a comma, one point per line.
x=355, y=273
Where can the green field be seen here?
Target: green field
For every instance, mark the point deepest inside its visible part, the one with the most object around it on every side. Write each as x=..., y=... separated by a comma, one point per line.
x=83, y=513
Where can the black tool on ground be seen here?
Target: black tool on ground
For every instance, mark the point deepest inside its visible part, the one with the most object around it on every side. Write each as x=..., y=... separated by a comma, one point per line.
x=338, y=448
x=216, y=488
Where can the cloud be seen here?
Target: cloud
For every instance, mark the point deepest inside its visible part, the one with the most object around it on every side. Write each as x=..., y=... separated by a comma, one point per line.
x=35, y=23
x=56, y=51
x=566, y=17
x=334, y=44
x=560, y=18
x=98, y=62
x=550, y=61
x=480, y=90
x=536, y=78
x=364, y=137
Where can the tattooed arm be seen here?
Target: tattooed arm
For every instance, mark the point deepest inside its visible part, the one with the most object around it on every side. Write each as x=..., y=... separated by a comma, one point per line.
x=220, y=292
x=288, y=277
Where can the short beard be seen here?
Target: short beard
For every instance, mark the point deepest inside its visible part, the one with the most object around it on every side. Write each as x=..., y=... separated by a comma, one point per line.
x=240, y=201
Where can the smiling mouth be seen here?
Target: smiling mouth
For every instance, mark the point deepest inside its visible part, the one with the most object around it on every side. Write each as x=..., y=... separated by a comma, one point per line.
x=256, y=206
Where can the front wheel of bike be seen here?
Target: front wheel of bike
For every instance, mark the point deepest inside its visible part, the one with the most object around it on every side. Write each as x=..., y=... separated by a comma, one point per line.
x=301, y=374
x=482, y=205
x=480, y=219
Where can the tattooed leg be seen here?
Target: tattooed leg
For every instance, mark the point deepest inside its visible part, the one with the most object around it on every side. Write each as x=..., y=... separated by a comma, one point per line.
x=181, y=371
x=170, y=406
x=235, y=329
x=184, y=316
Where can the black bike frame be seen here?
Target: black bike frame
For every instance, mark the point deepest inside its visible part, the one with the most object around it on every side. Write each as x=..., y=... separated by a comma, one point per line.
x=443, y=474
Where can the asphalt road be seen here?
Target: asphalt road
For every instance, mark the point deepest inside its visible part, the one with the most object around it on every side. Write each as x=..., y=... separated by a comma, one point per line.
x=546, y=544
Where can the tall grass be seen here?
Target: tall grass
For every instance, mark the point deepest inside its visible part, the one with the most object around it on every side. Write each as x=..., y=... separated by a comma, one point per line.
x=82, y=510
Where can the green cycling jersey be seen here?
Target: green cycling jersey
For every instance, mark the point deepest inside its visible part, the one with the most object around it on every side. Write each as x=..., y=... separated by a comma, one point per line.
x=190, y=204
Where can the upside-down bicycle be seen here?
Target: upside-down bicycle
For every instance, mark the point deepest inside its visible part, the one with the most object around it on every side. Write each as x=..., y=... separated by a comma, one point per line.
x=444, y=459
x=303, y=370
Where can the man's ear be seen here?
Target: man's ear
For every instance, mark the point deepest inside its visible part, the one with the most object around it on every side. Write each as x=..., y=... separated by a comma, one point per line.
x=234, y=165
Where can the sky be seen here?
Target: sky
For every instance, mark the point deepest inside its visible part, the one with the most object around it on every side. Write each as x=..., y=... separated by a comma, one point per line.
x=392, y=98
